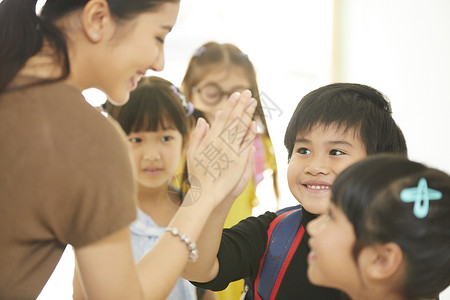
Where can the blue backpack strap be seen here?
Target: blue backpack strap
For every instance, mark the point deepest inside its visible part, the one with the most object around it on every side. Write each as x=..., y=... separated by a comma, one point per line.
x=284, y=236
x=290, y=208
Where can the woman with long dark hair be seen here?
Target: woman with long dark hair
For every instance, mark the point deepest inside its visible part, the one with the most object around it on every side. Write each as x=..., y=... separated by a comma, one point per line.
x=66, y=173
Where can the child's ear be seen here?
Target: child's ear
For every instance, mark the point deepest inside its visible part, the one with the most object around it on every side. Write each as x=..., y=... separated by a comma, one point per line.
x=382, y=261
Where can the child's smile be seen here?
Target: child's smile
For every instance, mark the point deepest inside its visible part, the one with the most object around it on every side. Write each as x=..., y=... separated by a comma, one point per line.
x=317, y=186
x=318, y=157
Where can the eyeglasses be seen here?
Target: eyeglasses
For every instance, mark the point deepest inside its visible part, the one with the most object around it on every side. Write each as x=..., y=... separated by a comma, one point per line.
x=212, y=93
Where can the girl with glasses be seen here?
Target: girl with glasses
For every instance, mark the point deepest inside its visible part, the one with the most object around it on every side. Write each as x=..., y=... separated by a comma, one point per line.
x=215, y=71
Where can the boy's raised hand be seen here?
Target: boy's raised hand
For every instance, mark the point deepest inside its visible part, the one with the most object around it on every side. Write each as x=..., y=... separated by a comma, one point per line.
x=219, y=158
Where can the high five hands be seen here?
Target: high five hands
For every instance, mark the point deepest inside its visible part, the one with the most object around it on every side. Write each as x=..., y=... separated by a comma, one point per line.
x=220, y=157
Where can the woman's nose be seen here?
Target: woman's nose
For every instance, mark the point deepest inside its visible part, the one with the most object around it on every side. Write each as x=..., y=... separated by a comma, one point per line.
x=158, y=64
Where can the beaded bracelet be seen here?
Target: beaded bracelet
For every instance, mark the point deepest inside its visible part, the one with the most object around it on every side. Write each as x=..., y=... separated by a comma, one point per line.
x=193, y=252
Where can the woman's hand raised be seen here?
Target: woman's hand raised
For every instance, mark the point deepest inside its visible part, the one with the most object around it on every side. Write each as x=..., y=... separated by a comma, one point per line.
x=219, y=158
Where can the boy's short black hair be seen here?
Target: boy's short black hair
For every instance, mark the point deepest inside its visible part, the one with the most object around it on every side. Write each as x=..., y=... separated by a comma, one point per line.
x=349, y=106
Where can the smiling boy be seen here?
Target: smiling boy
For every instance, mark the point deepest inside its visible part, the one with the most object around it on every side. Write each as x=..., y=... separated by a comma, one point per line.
x=332, y=127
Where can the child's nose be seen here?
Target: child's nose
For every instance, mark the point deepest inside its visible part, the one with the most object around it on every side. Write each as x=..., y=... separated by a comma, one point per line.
x=316, y=166
x=316, y=225
x=310, y=228
x=152, y=154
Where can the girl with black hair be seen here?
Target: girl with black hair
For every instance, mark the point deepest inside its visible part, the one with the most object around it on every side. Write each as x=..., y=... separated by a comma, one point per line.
x=332, y=127
x=386, y=234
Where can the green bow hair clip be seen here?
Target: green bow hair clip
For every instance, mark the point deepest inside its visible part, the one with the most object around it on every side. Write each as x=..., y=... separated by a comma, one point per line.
x=421, y=196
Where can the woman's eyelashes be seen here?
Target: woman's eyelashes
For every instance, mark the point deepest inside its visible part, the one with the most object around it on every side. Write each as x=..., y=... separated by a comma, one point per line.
x=160, y=40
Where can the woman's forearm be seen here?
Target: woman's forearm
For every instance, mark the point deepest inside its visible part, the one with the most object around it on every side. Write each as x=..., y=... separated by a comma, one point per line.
x=207, y=266
x=170, y=254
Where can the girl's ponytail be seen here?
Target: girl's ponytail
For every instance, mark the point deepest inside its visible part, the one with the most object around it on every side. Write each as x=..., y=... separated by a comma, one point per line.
x=20, y=37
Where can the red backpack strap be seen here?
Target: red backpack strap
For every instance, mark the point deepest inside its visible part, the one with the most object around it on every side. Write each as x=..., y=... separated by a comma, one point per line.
x=283, y=237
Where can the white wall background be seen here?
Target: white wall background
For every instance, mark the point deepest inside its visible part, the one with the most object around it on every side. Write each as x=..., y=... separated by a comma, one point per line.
x=403, y=48
x=400, y=47
x=290, y=44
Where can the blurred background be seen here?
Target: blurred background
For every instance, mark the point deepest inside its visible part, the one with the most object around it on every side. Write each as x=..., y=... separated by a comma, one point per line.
x=400, y=47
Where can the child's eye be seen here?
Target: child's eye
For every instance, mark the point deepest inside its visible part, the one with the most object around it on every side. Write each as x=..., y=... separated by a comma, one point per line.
x=303, y=151
x=135, y=140
x=336, y=152
x=166, y=138
x=330, y=214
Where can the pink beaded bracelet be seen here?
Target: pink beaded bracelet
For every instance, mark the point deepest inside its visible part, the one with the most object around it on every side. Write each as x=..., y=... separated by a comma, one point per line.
x=193, y=252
